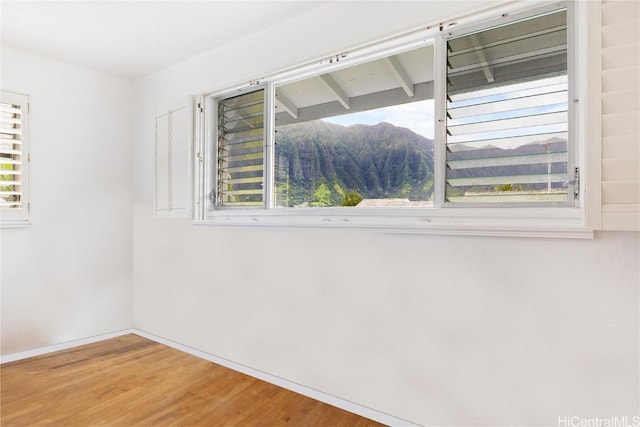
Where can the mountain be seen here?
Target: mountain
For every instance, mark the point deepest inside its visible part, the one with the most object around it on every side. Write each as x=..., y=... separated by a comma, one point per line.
x=317, y=162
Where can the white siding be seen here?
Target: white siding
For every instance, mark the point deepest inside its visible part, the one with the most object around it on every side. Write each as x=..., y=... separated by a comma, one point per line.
x=621, y=115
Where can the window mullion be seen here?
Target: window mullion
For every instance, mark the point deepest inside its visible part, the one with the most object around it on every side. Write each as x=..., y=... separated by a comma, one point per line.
x=269, y=146
x=440, y=127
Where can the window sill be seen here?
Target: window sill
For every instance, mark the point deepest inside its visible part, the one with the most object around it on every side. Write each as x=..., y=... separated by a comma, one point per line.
x=513, y=222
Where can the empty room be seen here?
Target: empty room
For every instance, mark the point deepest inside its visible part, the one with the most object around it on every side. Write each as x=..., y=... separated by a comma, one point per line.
x=329, y=213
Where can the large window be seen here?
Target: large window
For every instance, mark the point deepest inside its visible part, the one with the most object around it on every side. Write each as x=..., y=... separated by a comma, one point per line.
x=478, y=117
x=14, y=158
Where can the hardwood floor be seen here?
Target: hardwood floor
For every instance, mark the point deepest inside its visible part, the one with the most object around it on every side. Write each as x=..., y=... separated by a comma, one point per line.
x=131, y=381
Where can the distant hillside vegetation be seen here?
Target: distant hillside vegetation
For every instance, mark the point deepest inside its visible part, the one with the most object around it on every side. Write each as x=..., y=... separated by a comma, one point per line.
x=318, y=162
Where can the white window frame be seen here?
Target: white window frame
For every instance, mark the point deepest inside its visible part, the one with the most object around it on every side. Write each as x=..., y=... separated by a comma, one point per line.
x=11, y=217
x=450, y=220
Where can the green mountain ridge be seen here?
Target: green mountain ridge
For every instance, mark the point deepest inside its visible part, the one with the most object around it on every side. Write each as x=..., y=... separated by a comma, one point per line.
x=317, y=162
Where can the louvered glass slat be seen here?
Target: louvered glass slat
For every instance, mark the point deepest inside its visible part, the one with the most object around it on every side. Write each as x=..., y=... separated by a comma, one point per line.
x=522, y=103
x=516, y=90
x=240, y=125
x=244, y=136
x=525, y=159
x=507, y=113
x=507, y=142
x=243, y=180
x=10, y=109
x=247, y=168
x=243, y=147
x=8, y=142
x=242, y=158
x=241, y=150
x=509, y=179
x=10, y=131
x=243, y=113
x=10, y=161
x=9, y=121
x=496, y=124
x=9, y=151
x=536, y=133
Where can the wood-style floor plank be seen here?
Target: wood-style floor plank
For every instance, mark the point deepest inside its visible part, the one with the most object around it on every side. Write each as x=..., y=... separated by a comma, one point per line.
x=132, y=381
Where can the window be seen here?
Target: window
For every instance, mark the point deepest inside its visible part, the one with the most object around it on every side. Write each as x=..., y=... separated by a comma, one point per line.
x=434, y=131
x=14, y=158
x=241, y=145
x=507, y=114
x=360, y=136
x=357, y=136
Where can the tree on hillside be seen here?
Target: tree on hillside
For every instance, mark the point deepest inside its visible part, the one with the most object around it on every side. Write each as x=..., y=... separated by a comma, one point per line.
x=322, y=196
x=351, y=198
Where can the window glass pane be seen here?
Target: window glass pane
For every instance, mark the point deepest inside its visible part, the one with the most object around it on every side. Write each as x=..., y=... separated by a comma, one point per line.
x=361, y=136
x=507, y=113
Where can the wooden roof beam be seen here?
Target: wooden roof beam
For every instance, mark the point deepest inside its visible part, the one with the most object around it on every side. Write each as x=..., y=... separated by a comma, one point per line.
x=400, y=75
x=336, y=90
x=286, y=104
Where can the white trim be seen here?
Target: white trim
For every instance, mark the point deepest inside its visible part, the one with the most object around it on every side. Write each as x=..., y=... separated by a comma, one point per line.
x=346, y=405
x=352, y=407
x=621, y=217
x=62, y=346
x=589, y=69
x=560, y=222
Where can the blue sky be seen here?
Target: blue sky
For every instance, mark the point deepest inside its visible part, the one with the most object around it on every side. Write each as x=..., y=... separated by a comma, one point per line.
x=417, y=116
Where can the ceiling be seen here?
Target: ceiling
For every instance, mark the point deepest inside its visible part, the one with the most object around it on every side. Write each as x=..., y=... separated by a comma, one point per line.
x=134, y=38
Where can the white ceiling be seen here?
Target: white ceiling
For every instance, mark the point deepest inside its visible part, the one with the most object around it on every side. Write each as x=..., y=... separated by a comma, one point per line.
x=134, y=38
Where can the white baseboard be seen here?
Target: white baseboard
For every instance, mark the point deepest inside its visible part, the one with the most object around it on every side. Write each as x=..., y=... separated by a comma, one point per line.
x=352, y=407
x=62, y=346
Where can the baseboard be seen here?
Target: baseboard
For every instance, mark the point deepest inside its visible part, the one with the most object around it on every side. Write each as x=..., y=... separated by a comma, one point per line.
x=352, y=407
x=62, y=346
x=363, y=411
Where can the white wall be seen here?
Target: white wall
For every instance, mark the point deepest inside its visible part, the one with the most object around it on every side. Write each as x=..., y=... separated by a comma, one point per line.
x=68, y=276
x=437, y=330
